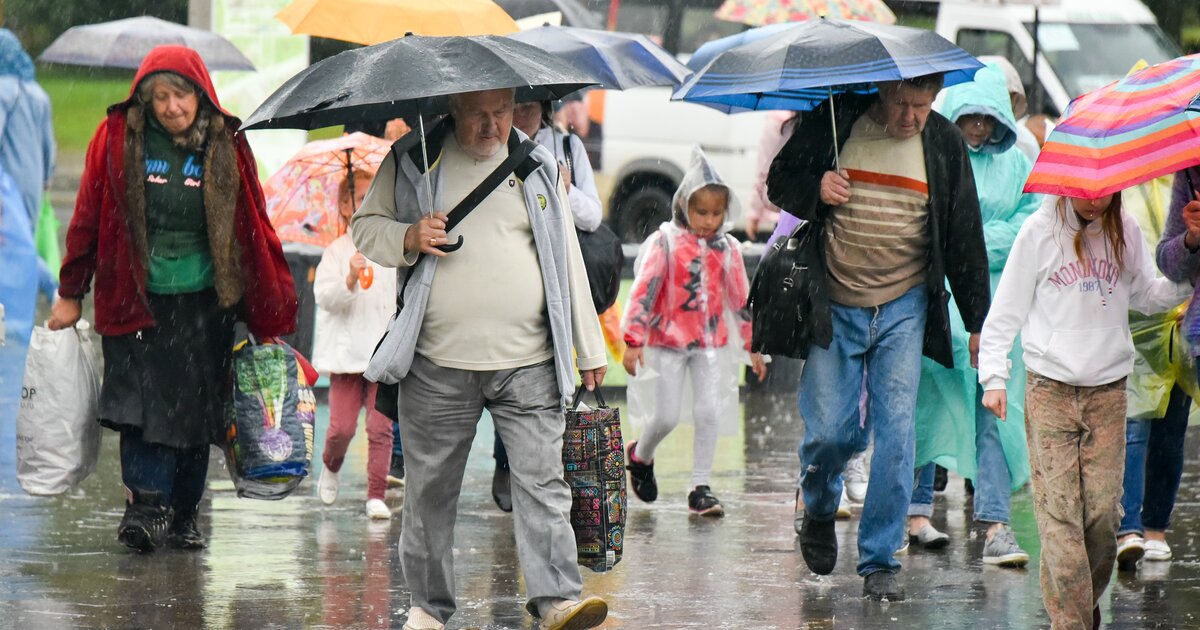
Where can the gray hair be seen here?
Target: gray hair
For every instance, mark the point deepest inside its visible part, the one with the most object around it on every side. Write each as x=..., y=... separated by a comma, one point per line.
x=455, y=100
x=195, y=138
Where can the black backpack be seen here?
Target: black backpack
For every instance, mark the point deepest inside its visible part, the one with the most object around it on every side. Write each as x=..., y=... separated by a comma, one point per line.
x=603, y=257
x=788, y=296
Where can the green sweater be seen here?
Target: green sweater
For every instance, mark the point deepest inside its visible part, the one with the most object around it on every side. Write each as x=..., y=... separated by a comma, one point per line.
x=180, y=261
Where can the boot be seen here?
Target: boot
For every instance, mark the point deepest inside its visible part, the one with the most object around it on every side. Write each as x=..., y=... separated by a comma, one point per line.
x=184, y=533
x=144, y=526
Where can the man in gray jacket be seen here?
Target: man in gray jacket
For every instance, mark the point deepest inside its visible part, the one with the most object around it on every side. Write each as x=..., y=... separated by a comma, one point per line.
x=492, y=325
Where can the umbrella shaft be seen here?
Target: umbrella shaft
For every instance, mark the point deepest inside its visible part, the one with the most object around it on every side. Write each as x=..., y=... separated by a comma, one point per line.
x=425, y=159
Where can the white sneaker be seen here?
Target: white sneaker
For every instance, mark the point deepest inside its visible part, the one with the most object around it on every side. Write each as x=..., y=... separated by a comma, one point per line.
x=1157, y=551
x=378, y=510
x=1129, y=551
x=327, y=486
x=843, y=510
x=855, y=477
x=418, y=619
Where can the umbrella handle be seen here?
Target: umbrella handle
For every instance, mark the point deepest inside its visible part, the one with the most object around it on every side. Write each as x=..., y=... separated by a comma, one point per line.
x=837, y=160
x=452, y=247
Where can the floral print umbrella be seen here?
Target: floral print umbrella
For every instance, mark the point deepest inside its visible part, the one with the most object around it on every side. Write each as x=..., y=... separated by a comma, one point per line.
x=302, y=197
x=760, y=12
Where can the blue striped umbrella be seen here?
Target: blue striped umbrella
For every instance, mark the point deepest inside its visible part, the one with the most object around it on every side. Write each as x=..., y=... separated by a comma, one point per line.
x=797, y=67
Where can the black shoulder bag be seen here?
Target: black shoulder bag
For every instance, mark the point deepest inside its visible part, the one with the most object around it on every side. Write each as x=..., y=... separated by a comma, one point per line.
x=387, y=396
x=603, y=257
x=788, y=299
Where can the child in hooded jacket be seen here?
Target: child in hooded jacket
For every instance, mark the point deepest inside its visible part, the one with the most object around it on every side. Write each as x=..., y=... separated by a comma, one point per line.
x=1075, y=270
x=355, y=298
x=688, y=274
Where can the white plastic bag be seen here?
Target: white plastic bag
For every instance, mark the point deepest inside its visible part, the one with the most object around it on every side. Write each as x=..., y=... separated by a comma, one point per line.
x=58, y=435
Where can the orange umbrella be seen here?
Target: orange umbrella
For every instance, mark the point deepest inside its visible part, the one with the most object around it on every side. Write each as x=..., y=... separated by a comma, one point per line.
x=302, y=197
x=376, y=21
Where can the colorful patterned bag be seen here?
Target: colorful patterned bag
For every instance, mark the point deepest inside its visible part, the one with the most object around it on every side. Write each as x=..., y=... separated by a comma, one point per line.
x=594, y=466
x=268, y=436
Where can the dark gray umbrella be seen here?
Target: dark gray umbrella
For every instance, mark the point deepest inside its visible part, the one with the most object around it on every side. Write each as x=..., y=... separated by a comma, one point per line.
x=123, y=44
x=573, y=13
x=413, y=75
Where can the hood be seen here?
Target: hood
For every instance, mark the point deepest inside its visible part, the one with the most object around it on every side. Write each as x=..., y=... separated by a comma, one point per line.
x=14, y=61
x=701, y=173
x=987, y=94
x=182, y=61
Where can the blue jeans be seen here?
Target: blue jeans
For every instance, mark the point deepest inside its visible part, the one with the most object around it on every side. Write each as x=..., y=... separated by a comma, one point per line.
x=397, y=446
x=885, y=340
x=993, y=482
x=176, y=474
x=1153, y=467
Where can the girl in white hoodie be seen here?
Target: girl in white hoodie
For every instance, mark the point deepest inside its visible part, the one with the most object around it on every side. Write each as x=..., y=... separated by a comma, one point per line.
x=1076, y=269
x=355, y=298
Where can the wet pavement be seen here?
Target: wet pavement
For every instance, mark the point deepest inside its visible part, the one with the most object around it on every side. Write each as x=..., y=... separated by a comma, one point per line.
x=298, y=564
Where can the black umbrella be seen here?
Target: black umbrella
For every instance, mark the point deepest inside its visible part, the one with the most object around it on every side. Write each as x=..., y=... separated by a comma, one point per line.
x=573, y=13
x=413, y=75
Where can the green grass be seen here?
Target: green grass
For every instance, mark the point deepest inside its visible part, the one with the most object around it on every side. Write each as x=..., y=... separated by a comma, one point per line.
x=79, y=98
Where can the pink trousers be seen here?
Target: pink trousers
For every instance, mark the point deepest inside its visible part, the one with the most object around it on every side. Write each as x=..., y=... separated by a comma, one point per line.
x=348, y=395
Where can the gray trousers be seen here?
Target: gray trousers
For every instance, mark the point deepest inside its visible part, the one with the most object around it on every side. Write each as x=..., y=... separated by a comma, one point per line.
x=439, y=410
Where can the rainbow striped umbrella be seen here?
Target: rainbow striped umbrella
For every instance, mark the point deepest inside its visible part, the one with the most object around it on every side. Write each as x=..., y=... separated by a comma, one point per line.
x=760, y=12
x=1124, y=134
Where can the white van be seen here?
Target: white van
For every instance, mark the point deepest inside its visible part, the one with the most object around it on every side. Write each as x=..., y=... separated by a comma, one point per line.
x=1084, y=44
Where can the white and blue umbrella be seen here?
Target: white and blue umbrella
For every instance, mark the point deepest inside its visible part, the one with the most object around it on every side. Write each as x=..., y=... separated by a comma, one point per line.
x=618, y=60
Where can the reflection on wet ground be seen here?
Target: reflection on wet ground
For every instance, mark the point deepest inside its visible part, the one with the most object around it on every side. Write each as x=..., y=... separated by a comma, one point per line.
x=297, y=564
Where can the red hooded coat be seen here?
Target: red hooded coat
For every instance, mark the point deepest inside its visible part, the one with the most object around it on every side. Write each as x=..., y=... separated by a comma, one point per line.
x=99, y=241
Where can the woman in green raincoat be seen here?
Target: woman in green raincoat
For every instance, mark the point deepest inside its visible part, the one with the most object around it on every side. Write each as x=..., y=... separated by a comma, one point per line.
x=953, y=428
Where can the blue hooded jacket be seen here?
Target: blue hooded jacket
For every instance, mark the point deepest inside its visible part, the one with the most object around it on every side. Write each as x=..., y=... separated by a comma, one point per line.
x=26, y=133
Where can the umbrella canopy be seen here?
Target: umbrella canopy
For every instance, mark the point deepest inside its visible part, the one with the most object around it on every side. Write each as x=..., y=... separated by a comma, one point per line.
x=123, y=44
x=618, y=60
x=1124, y=134
x=760, y=12
x=413, y=75
x=573, y=13
x=709, y=50
x=375, y=21
x=302, y=196
x=800, y=65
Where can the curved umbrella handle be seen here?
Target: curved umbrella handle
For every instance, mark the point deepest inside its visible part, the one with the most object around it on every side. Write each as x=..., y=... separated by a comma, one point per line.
x=452, y=247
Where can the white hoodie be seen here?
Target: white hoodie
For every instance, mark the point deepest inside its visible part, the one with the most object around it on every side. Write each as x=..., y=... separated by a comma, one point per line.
x=1072, y=314
x=349, y=322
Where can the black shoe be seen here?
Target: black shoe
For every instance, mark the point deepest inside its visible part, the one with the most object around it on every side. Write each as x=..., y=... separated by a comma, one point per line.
x=881, y=586
x=939, y=478
x=797, y=515
x=641, y=477
x=968, y=487
x=184, y=534
x=395, y=476
x=144, y=526
x=502, y=489
x=701, y=501
x=818, y=545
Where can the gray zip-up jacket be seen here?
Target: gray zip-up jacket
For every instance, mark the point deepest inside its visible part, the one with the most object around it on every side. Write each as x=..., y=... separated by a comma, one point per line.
x=378, y=229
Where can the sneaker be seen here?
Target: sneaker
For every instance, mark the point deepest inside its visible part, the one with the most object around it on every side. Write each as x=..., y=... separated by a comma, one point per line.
x=903, y=548
x=701, y=501
x=929, y=537
x=641, y=477
x=378, y=510
x=566, y=614
x=1129, y=550
x=855, y=478
x=843, y=509
x=1157, y=551
x=327, y=486
x=882, y=586
x=395, y=476
x=418, y=619
x=145, y=523
x=502, y=488
x=184, y=534
x=1003, y=551
x=818, y=545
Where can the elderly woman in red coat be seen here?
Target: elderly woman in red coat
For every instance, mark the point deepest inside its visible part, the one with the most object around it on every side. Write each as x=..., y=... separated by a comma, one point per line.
x=171, y=225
